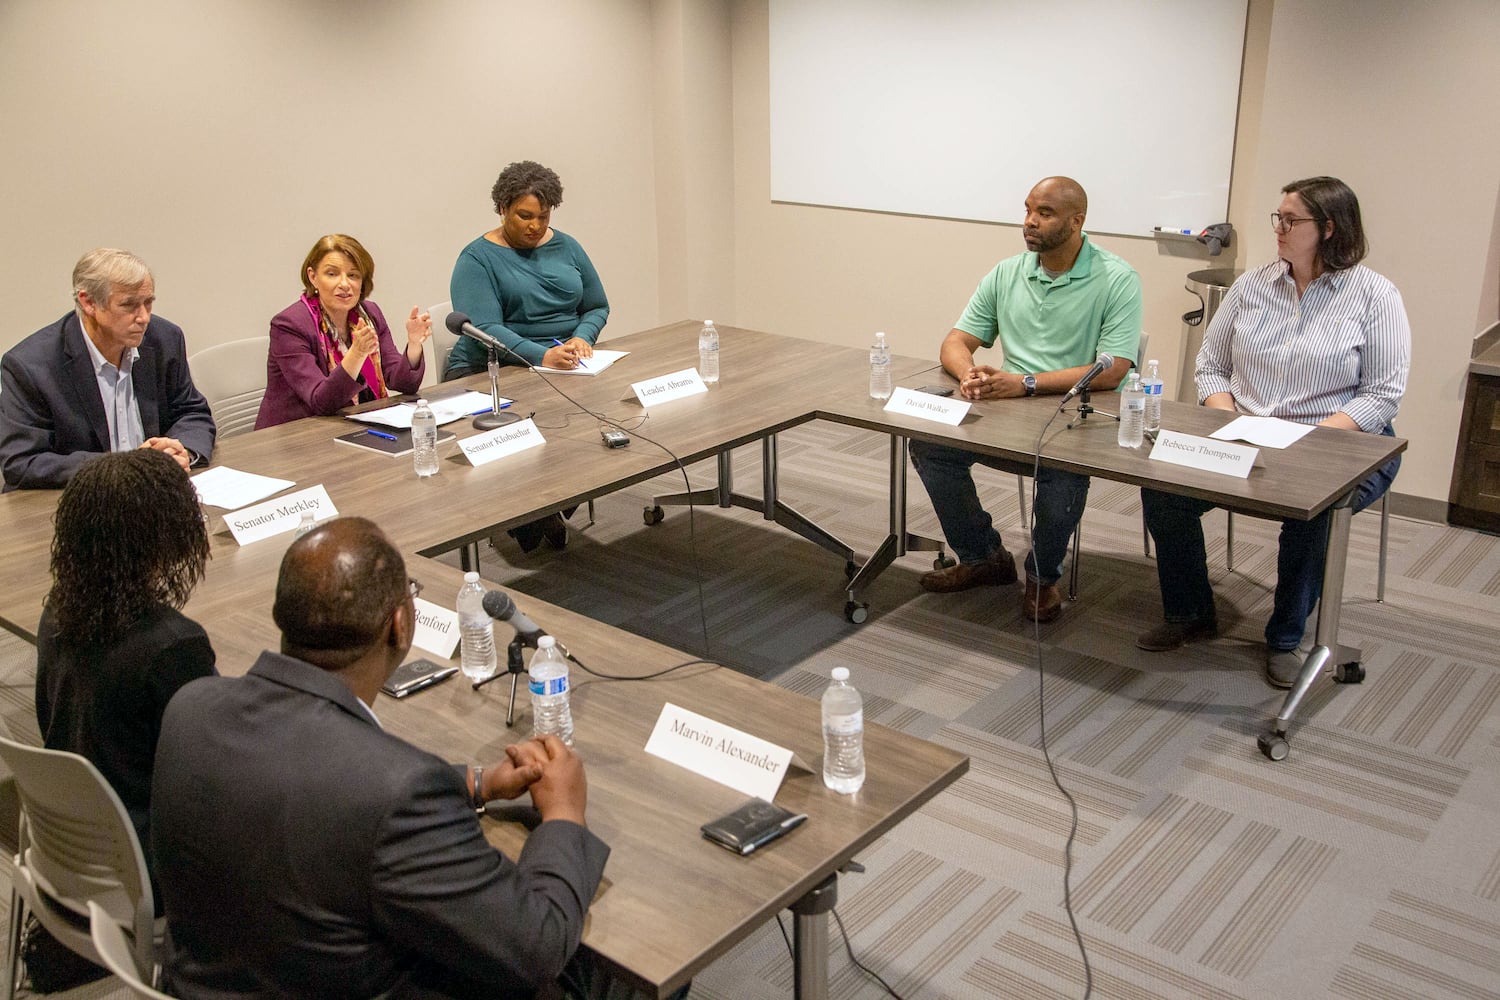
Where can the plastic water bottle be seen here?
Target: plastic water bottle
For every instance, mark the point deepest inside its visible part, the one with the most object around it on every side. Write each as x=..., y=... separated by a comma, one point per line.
x=708, y=352
x=1132, y=413
x=880, y=368
x=1152, y=386
x=476, y=631
x=306, y=524
x=548, y=680
x=424, y=440
x=843, y=735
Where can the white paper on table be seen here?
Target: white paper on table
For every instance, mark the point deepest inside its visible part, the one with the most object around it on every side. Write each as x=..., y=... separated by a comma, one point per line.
x=1267, y=432
x=601, y=360
x=232, y=489
x=445, y=411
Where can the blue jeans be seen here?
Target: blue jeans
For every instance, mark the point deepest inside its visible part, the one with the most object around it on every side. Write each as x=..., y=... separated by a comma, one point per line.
x=1176, y=525
x=948, y=475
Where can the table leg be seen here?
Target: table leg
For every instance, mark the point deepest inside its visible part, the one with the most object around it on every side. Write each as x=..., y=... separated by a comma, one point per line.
x=810, y=940
x=897, y=541
x=1348, y=670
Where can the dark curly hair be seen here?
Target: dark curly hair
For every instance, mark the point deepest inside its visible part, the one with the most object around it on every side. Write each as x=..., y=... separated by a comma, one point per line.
x=526, y=177
x=127, y=535
x=1331, y=200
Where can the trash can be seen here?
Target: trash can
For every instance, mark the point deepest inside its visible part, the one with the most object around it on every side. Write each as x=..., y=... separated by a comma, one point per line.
x=1209, y=285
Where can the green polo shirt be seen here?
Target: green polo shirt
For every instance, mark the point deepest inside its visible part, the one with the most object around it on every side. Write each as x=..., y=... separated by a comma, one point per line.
x=1047, y=324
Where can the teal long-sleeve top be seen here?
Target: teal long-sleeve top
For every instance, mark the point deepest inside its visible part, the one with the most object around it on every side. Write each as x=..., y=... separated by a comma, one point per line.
x=525, y=298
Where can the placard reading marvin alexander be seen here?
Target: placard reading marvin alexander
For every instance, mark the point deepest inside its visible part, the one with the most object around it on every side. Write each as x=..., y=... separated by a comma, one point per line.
x=743, y=762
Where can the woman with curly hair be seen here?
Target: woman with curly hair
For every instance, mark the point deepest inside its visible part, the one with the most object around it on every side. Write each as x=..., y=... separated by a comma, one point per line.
x=528, y=285
x=532, y=288
x=128, y=547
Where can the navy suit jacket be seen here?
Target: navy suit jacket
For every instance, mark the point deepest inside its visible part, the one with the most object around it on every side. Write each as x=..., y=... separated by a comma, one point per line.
x=302, y=851
x=52, y=419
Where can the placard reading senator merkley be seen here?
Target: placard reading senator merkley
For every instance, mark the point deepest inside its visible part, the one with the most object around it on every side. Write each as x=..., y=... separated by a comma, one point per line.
x=251, y=524
x=743, y=762
x=1204, y=453
x=928, y=406
x=665, y=387
x=481, y=449
x=437, y=629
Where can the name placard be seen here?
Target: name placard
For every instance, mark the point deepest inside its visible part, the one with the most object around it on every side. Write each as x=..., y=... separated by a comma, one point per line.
x=251, y=524
x=669, y=387
x=943, y=409
x=1204, y=453
x=743, y=762
x=481, y=449
x=437, y=629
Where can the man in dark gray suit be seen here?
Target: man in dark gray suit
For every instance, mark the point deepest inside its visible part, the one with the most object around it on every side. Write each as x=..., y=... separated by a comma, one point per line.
x=304, y=852
x=108, y=376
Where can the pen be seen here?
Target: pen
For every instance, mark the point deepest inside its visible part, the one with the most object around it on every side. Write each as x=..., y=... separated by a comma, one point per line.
x=381, y=434
x=561, y=344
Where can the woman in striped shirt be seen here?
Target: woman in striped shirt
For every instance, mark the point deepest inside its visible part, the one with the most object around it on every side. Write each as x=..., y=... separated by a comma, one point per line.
x=1315, y=337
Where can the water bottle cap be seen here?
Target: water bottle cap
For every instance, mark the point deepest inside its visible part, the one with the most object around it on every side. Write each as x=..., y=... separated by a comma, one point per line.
x=471, y=578
x=421, y=401
x=840, y=673
x=546, y=642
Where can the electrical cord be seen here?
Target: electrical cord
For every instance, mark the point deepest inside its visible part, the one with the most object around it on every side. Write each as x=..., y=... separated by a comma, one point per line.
x=1041, y=695
x=642, y=677
x=862, y=967
x=687, y=488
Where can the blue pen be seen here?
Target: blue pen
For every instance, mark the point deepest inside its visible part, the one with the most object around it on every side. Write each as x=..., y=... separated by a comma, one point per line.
x=561, y=344
x=382, y=434
x=487, y=409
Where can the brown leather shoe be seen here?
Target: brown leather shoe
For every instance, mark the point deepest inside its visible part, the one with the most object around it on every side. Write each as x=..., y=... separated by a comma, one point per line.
x=997, y=569
x=1043, y=601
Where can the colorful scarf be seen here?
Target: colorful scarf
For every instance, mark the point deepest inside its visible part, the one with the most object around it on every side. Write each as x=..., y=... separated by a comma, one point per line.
x=332, y=352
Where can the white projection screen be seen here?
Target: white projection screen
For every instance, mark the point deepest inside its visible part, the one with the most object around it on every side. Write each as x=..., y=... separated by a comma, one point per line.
x=955, y=108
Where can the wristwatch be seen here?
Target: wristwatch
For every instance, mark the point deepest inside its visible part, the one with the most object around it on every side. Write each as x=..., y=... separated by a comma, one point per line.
x=1029, y=381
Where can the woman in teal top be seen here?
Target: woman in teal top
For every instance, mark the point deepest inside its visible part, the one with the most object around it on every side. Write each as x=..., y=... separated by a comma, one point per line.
x=526, y=284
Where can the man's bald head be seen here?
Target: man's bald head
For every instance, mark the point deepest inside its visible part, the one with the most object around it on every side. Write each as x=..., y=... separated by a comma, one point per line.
x=1064, y=192
x=336, y=592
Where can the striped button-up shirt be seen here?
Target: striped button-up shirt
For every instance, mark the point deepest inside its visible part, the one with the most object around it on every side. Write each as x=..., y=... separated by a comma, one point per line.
x=1344, y=346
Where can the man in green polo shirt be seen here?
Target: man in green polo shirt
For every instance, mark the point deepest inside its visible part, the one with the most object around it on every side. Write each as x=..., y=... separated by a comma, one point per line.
x=1054, y=309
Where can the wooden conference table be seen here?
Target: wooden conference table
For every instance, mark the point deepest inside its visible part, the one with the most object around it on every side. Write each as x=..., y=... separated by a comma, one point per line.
x=671, y=902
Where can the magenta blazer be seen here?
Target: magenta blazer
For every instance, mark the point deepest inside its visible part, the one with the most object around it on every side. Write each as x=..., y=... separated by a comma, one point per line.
x=296, y=384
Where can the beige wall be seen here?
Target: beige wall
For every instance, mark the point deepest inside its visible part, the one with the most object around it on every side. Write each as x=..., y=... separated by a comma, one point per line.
x=219, y=138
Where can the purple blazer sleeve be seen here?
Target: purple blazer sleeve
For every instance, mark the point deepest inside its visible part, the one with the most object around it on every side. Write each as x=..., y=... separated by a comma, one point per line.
x=297, y=386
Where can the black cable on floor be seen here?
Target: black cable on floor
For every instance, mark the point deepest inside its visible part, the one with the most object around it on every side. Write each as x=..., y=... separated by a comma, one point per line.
x=1041, y=696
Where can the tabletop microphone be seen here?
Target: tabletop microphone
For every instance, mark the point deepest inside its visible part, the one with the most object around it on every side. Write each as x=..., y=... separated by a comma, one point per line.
x=1102, y=364
x=459, y=325
x=500, y=607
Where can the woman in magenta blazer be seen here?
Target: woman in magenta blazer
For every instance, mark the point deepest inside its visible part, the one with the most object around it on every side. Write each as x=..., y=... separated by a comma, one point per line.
x=332, y=348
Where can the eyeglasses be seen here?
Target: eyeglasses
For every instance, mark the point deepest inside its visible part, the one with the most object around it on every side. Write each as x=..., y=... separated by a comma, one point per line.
x=415, y=586
x=1284, y=223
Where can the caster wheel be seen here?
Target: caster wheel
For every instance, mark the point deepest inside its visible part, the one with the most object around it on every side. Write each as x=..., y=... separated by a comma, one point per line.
x=1349, y=673
x=1273, y=746
x=850, y=568
x=943, y=562
x=856, y=613
x=653, y=515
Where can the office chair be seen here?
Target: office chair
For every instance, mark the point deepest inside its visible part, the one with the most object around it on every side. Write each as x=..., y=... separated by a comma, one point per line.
x=114, y=949
x=75, y=845
x=232, y=377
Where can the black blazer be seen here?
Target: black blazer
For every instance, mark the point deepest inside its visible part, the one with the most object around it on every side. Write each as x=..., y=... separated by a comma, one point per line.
x=304, y=852
x=52, y=419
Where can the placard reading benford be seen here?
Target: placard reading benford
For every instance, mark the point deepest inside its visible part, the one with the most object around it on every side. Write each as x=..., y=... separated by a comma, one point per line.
x=743, y=762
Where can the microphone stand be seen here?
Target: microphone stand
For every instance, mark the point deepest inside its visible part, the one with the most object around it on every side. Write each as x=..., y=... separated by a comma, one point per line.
x=515, y=666
x=1085, y=407
x=496, y=418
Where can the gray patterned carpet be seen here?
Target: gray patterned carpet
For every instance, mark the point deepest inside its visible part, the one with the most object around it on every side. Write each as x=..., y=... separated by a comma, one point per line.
x=1367, y=865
